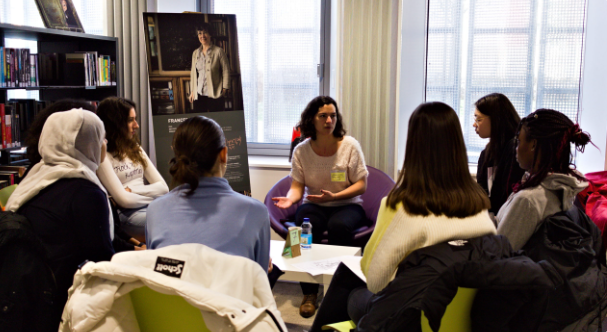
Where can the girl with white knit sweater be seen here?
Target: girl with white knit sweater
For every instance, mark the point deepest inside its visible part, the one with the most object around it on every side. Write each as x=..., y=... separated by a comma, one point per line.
x=435, y=200
x=127, y=166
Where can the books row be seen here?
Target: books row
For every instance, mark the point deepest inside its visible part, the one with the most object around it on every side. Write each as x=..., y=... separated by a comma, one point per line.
x=16, y=116
x=20, y=68
x=10, y=175
x=96, y=69
x=219, y=28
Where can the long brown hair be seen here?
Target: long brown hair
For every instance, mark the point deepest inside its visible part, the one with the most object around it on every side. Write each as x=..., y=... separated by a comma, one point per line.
x=114, y=112
x=435, y=178
x=504, y=120
x=196, y=144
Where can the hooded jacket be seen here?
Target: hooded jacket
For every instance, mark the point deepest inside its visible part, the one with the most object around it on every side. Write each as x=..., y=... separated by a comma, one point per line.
x=232, y=292
x=428, y=280
x=525, y=210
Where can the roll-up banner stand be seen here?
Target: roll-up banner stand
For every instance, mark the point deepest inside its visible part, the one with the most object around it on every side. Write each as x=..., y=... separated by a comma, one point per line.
x=174, y=44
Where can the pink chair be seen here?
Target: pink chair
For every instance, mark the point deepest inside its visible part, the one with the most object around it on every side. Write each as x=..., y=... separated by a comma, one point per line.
x=379, y=185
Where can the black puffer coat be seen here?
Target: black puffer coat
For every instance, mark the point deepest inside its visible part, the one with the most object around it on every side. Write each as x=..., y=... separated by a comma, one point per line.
x=429, y=277
x=572, y=243
x=27, y=285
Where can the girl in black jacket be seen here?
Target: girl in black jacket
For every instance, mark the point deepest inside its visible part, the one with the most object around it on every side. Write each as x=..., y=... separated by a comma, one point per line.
x=495, y=118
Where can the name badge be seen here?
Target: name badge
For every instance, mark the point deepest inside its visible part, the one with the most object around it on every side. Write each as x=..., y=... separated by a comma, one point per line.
x=338, y=176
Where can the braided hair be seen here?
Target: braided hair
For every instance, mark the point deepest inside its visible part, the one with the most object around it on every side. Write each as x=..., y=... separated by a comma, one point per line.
x=554, y=133
x=196, y=144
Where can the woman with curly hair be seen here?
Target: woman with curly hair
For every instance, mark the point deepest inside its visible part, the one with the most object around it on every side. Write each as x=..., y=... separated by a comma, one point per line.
x=127, y=165
x=330, y=175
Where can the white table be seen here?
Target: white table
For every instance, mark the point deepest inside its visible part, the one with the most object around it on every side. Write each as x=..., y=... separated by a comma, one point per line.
x=318, y=252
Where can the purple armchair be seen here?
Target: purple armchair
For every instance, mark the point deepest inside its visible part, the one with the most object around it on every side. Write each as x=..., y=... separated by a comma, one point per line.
x=379, y=185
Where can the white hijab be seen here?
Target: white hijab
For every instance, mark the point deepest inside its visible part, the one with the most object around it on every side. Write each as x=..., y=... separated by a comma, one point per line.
x=70, y=146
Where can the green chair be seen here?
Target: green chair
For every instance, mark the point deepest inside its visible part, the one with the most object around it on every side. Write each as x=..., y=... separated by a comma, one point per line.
x=455, y=319
x=157, y=312
x=5, y=193
x=457, y=315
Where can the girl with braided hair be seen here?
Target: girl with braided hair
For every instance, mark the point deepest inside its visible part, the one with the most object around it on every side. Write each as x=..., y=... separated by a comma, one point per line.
x=203, y=208
x=551, y=182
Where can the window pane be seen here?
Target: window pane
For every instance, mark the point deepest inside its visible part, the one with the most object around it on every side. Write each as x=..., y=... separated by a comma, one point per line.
x=279, y=46
x=529, y=50
x=25, y=12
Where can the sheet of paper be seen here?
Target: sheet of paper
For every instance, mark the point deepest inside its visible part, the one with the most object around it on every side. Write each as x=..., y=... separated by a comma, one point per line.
x=353, y=263
x=330, y=265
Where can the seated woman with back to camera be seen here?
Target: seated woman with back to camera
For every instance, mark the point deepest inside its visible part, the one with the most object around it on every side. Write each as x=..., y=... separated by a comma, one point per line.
x=203, y=208
x=435, y=200
x=64, y=201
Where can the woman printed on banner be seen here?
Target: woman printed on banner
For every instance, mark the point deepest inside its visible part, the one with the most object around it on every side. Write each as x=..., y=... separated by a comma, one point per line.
x=209, y=75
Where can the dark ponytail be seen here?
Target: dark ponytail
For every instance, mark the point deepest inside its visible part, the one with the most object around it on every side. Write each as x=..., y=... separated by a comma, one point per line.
x=196, y=144
x=554, y=133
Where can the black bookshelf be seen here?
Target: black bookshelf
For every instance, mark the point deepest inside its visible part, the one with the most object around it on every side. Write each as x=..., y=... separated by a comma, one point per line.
x=59, y=41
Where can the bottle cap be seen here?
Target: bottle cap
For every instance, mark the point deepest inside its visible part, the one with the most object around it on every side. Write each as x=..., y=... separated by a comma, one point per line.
x=306, y=219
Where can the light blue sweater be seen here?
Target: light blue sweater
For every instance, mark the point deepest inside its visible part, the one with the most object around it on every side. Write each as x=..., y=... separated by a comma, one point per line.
x=216, y=216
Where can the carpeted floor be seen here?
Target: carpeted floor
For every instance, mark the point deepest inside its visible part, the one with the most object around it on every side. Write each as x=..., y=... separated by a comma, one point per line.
x=288, y=297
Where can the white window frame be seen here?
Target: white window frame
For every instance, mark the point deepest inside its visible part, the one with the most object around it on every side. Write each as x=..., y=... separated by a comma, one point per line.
x=324, y=74
x=591, y=116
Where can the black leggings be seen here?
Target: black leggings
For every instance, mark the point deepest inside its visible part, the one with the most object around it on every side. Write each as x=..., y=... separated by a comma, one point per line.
x=339, y=221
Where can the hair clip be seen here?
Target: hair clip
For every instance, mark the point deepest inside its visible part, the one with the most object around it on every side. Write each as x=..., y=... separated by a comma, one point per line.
x=535, y=116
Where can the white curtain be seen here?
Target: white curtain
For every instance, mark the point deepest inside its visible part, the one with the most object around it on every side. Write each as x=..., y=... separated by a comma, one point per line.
x=125, y=21
x=367, y=49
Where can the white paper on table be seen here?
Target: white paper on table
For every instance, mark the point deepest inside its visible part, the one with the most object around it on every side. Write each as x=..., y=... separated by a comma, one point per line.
x=353, y=263
x=330, y=265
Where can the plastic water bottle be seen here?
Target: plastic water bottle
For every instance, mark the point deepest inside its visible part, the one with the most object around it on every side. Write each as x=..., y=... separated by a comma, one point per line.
x=306, y=234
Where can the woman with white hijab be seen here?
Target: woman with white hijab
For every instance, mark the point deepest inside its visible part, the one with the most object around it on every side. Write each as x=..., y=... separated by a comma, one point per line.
x=63, y=199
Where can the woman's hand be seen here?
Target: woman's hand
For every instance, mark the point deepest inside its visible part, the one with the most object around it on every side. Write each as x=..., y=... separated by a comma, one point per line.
x=191, y=97
x=326, y=196
x=282, y=202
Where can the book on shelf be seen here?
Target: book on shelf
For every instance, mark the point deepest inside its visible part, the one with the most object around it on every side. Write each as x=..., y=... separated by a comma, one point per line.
x=9, y=176
x=50, y=68
x=75, y=70
x=20, y=170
